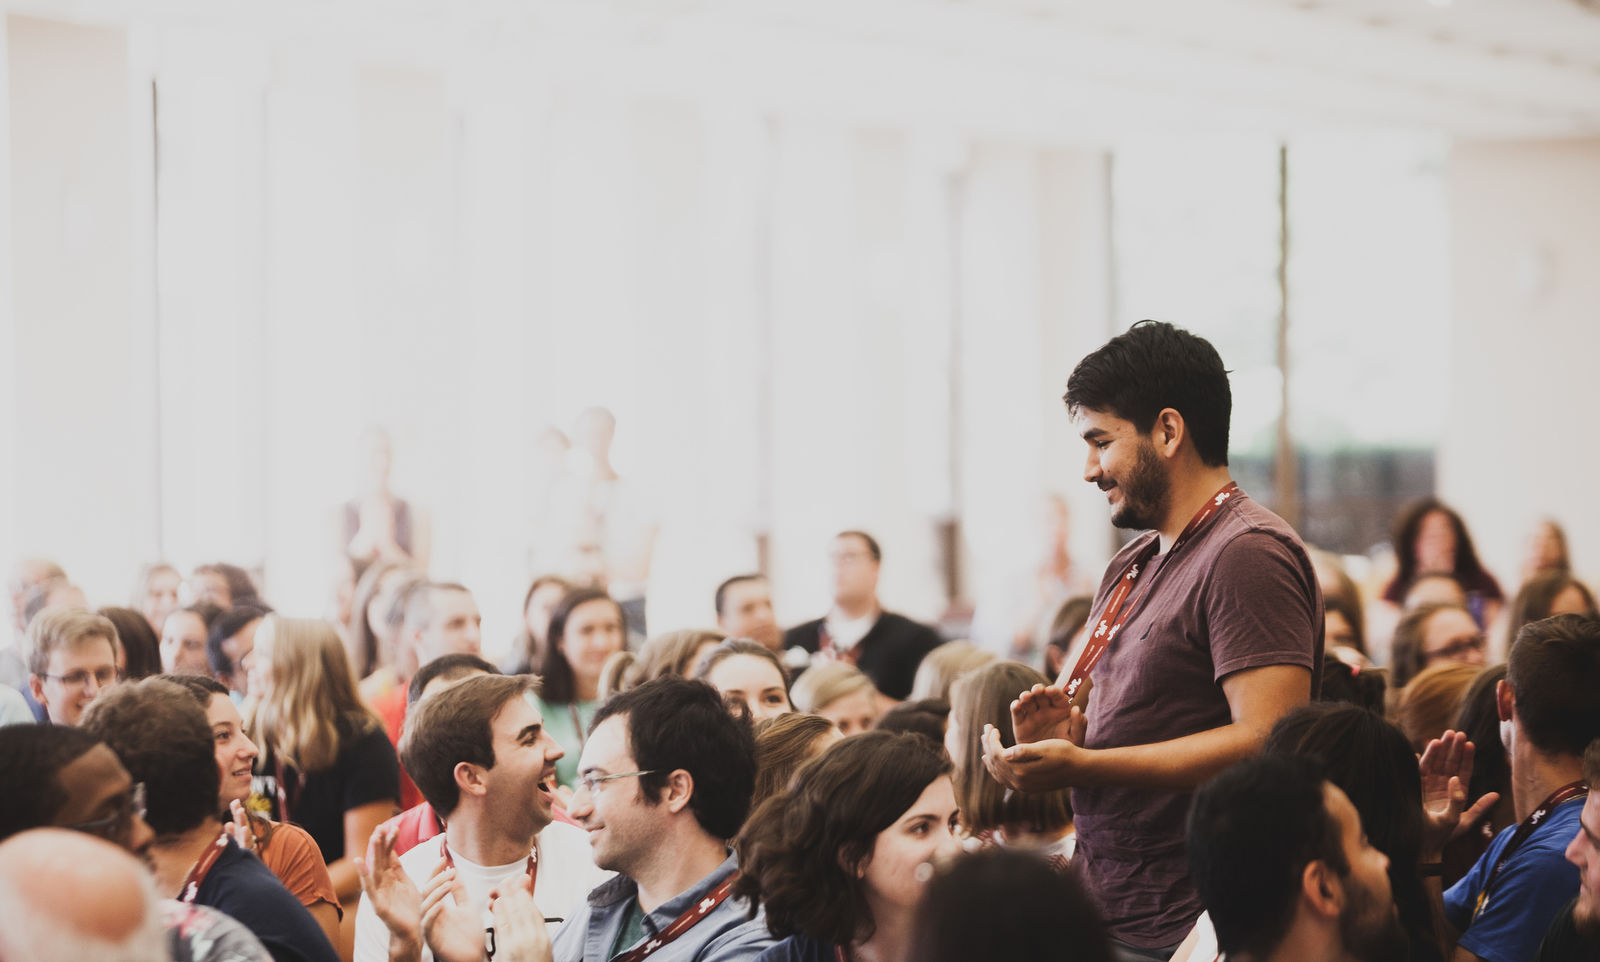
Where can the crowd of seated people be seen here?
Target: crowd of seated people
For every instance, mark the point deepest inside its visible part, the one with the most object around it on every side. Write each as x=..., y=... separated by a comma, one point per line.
x=231, y=783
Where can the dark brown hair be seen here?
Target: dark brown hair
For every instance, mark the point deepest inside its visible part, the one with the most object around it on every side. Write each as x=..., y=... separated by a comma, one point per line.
x=1406, y=657
x=981, y=698
x=1554, y=672
x=455, y=726
x=1535, y=597
x=798, y=853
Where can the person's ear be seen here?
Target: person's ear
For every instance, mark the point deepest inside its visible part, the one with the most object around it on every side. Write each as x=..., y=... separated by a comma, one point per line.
x=1322, y=889
x=1168, y=432
x=36, y=685
x=470, y=779
x=679, y=790
x=1505, y=700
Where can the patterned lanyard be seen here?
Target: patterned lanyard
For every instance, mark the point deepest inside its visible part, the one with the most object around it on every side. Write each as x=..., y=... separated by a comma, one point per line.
x=1117, y=610
x=682, y=923
x=202, y=868
x=1565, y=793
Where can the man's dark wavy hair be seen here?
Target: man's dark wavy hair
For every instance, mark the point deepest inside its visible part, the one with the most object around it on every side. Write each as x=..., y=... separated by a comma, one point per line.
x=1153, y=366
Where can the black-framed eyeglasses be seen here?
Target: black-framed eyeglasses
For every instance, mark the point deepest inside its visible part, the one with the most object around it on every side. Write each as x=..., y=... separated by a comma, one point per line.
x=113, y=825
x=80, y=678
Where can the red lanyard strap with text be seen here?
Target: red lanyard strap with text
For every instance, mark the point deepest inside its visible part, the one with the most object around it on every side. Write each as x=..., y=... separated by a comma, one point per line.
x=1117, y=609
x=682, y=923
x=1565, y=793
x=202, y=868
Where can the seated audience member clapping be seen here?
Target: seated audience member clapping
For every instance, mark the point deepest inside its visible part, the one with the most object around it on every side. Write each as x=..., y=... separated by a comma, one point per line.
x=840, y=693
x=1503, y=906
x=161, y=736
x=72, y=658
x=749, y=674
x=288, y=850
x=838, y=863
x=586, y=629
x=1001, y=904
x=1041, y=821
x=478, y=751
x=1282, y=865
x=785, y=743
x=326, y=763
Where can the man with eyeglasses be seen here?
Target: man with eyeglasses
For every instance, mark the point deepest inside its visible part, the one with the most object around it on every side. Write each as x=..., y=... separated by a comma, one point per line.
x=665, y=780
x=62, y=777
x=479, y=752
x=72, y=658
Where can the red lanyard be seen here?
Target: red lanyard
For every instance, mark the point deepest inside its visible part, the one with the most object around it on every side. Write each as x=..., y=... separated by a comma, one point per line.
x=202, y=868
x=682, y=923
x=1117, y=610
x=533, y=863
x=1565, y=793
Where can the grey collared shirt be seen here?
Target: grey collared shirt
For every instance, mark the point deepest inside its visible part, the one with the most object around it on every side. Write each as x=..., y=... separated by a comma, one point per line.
x=728, y=934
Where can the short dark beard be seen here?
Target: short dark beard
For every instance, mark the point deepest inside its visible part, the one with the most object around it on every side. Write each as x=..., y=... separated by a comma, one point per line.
x=1145, y=492
x=1586, y=919
x=1369, y=931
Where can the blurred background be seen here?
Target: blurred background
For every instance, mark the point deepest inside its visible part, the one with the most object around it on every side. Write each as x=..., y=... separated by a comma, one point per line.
x=828, y=264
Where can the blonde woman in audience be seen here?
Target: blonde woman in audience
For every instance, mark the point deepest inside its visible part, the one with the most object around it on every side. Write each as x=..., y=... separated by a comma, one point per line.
x=288, y=850
x=785, y=743
x=1041, y=821
x=326, y=763
x=943, y=665
x=747, y=673
x=839, y=692
x=586, y=629
x=1429, y=704
x=155, y=594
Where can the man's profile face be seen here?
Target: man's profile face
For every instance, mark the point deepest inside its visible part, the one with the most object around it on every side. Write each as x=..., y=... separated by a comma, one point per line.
x=1584, y=852
x=747, y=613
x=455, y=626
x=1369, y=925
x=855, y=573
x=623, y=825
x=74, y=678
x=100, y=794
x=1123, y=462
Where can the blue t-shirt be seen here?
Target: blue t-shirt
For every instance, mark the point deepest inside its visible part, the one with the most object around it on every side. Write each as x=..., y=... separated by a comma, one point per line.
x=240, y=886
x=1533, y=886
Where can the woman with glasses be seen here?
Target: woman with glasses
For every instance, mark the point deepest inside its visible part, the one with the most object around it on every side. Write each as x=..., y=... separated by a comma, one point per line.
x=326, y=763
x=1431, y=635
x=839, y=861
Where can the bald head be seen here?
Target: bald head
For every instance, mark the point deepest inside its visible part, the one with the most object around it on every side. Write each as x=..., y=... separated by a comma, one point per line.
x=64, y=894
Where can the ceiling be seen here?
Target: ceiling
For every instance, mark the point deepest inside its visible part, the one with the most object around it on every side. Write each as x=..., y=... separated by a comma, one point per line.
x=1066, y=70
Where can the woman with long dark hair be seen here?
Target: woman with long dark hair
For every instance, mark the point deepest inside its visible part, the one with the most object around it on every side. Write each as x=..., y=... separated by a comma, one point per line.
x=1431, y=539
x=586, y=629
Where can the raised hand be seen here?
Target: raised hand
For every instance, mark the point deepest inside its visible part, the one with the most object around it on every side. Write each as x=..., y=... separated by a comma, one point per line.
x=519, y=929
x=452, y=931
x=239, y=826
x=389, y=890
x=1446, y=770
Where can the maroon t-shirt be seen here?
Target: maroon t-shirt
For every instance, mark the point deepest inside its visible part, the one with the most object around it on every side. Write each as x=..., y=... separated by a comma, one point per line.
x=1240, y=594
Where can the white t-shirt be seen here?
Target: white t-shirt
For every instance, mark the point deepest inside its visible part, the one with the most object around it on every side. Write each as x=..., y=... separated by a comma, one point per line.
x=567, y=874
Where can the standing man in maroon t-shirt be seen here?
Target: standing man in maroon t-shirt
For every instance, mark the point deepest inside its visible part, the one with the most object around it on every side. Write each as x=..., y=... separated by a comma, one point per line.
x=1206, y=630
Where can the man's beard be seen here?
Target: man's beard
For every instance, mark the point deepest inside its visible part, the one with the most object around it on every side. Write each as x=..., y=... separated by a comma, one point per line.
x=1371, y=932
x=1586, y=917
x=1145, y=492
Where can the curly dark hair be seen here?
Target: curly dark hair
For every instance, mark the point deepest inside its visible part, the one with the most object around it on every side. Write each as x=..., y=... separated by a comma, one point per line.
x=795, y=851
x=162, y=737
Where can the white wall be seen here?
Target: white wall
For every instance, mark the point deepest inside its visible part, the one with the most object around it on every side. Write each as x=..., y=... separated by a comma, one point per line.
x=1525, y=239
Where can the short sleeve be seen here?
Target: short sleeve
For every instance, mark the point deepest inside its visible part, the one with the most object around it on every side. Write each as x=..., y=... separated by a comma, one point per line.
x=295, y=858
x=370, y=770
x=1529, y=893
x=1262, y=607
